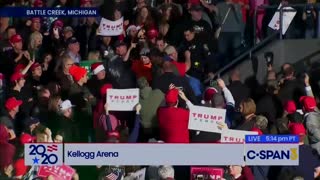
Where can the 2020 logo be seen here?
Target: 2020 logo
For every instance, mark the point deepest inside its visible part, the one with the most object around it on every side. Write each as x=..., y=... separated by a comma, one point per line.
x=43, y=154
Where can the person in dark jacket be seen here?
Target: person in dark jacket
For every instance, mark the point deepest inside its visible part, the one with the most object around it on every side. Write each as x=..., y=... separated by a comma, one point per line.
x=13, y=57
x=248, y=110
x=20, y=92
x=238, y=90
x=86, y=34
x=63, y=76
x=120, y=72
x=98, y=79
x=67, y=124
x=168, y=77
x=291, y=88
x=80, y=96
x=270, y=105
x=8, y=119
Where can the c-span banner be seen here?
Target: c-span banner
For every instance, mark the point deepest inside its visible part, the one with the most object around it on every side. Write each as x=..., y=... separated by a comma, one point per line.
x=235, y=136
x=206, y=119
x=122, y=99
x=206, y=173
x=110, y=28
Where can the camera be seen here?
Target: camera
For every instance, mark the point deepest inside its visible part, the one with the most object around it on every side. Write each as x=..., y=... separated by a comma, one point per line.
x=269, y=58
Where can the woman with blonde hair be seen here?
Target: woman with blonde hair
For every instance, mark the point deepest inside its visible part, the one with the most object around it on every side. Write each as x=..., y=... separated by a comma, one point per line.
x=35, y=42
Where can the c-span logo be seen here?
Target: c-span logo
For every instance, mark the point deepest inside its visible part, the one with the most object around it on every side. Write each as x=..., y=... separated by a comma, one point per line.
x=272, y=154
x=49, y=154
x=290, y=154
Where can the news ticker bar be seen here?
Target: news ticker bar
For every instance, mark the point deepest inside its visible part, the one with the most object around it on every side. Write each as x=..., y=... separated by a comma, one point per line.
x=271, y=139
x=162, y=154
x=48, y=12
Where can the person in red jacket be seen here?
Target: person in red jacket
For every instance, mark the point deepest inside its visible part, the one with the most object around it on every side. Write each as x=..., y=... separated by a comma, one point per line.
x=173, y=121
x=142, y=67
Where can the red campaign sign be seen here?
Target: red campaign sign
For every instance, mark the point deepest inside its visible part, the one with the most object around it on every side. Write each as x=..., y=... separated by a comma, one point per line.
x=58, y=172
x=206, y=173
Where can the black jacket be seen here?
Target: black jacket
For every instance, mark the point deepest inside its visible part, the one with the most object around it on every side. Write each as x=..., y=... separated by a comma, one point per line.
x=167, y=78
x=292, y=90
x=239, y=91
x=120, y=73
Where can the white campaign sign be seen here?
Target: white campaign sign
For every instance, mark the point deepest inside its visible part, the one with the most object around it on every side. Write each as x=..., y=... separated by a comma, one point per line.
x=206, y=119
x=122, y=99
x=110, y=28
x=287, y=17
x=235, y=136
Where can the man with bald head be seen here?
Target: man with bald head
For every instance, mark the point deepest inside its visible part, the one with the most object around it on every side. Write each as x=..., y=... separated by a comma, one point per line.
x=238, y=90
x=168, y=77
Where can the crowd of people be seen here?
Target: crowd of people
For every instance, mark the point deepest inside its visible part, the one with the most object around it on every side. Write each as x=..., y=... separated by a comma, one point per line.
x=167, y=50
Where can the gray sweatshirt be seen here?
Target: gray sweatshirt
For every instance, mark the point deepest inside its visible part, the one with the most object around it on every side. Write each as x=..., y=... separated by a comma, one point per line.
x=233, y=21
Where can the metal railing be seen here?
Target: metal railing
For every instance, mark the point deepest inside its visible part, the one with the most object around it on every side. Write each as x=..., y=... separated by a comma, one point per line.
x=268, y=39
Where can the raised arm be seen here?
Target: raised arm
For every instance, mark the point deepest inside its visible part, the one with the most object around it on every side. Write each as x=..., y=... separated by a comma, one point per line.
x=133, y=137
x=226, y=92
x=108, y=122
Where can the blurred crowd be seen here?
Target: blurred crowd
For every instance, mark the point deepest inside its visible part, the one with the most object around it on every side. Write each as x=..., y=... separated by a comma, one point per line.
x=168, y=50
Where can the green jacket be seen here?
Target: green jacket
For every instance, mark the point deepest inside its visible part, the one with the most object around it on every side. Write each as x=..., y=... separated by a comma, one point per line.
x=150, y=100
x=70, y=129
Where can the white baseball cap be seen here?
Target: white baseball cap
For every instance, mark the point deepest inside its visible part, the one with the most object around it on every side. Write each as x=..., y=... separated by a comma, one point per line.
x=65, y=105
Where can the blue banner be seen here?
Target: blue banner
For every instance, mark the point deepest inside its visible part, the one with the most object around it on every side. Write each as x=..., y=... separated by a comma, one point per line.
x=272, y=139
x=48, y=12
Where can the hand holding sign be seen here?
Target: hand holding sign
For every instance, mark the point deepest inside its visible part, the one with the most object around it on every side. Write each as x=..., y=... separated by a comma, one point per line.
x=122, y=99
x=206, y=119
x=110, y=28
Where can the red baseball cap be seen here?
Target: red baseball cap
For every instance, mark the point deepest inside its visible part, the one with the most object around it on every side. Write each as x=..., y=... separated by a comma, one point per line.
x=83, y=2
x=37, y=3
x=16, y=76
x=15, y=38
x=152, y=33
x=20, y=167
x=257, y=130
x=172, y=96
x=308, y=103
x=34, y=66
x=104, y=88
x=290, y=107
x=12, y=102
x=297, y=129
x=19, y=67
x=58, y=23
x=77, y=72
x=26, y=138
